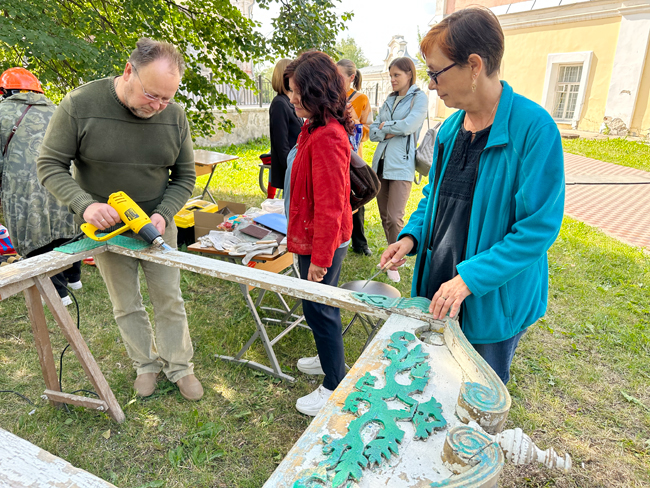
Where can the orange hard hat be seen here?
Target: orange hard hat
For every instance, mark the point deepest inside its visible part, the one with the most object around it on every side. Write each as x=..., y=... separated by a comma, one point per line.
x=19, y=79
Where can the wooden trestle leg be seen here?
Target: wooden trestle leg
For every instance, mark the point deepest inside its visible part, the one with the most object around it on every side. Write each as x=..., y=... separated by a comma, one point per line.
x=108, y=401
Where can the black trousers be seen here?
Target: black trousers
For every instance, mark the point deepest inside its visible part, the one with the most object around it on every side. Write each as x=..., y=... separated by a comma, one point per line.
x=359, y=240
x=325, y=322
x=60, y=280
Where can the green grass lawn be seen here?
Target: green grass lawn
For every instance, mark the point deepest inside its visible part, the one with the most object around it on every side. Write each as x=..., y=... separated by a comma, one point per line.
x=580, y=377
x=634, y=154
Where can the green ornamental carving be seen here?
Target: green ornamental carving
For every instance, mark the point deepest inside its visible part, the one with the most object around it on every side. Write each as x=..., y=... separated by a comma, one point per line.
x=348, y=456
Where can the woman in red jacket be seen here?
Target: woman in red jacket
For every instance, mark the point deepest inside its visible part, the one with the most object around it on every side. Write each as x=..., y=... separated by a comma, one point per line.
x=317, y=198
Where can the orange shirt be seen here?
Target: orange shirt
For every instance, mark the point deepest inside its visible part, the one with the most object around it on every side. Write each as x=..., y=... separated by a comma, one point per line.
x=361, y=113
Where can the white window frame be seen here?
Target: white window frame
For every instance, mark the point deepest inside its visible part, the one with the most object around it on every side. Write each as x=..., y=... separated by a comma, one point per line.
x=568, y=92
x=553, y=63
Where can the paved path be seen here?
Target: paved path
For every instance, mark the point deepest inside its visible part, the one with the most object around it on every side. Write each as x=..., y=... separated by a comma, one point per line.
x=614, y=198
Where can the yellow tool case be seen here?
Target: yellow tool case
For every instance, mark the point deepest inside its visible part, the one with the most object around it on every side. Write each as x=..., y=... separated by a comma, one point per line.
x=184, y=219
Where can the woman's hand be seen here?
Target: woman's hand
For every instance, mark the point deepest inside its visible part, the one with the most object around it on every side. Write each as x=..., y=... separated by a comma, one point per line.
x=387, y=136
x=316, y=273
x=396, y=252
x=448, y=298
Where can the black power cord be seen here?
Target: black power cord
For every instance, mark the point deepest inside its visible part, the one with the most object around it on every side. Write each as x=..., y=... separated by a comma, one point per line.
x=74, y=298
x=16, y=393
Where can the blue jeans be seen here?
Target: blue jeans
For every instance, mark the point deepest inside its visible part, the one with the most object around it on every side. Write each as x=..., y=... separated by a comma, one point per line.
x=499, y=355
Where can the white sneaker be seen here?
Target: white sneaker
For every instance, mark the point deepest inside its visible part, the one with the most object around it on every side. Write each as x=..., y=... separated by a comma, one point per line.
x=312, y=403
x=76, y=285
x=393, y=275
x=310, y=365
x=66, y=300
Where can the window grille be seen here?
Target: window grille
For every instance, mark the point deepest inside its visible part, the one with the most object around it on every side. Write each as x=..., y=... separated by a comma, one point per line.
x=566, y=92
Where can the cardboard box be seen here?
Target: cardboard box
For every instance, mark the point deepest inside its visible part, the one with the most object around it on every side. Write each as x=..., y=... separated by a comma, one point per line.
x=185, y=217
x=204, y=222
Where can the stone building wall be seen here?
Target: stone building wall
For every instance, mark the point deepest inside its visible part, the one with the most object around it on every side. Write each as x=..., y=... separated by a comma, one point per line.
x=251, y=123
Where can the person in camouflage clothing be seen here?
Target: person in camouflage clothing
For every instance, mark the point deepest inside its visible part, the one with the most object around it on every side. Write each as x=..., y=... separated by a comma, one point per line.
x=37, y=222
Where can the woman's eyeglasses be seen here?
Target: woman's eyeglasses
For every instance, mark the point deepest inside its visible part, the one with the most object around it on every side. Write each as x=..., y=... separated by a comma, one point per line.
x=149, y=96
x=434, y=74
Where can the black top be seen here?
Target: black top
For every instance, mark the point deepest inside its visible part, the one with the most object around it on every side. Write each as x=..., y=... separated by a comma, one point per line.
x=285, y=129
x=454, y=206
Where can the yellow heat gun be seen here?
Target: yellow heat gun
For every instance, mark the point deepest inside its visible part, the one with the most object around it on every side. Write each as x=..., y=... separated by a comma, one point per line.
x=134, y=219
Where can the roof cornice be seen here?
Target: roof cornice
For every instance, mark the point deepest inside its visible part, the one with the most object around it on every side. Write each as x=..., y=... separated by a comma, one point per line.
x=575, y=12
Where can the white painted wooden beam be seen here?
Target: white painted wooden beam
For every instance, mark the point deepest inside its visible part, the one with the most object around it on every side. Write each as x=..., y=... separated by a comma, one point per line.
x=286, y=285
x=24, y=465
x=42, y=264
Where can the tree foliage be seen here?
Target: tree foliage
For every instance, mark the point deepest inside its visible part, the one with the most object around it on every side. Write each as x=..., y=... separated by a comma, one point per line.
x=305, y=24
x=66, y=43
x=349, y=49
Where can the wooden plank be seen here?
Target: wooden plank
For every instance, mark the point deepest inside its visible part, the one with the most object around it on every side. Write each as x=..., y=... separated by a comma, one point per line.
x=41, y=338
x=10, y=290
x=79, y=346
x=285, y=285
x=81, y=401
x=24, y=465
x=202, y=169
x=273, y=265
x=39, y=265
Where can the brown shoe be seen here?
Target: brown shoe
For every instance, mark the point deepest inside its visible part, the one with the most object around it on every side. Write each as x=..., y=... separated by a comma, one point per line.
x=190, y=387
x=145, y=384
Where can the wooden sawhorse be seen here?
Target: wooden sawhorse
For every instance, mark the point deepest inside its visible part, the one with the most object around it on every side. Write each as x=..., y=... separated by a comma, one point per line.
x=32, y=277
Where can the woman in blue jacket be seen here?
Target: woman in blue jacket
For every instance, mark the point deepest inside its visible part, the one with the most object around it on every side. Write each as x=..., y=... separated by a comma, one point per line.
x=397, y=128
x=495, y=199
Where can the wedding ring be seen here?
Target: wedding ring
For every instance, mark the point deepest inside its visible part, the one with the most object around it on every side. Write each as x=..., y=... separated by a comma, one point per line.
x=444, y=298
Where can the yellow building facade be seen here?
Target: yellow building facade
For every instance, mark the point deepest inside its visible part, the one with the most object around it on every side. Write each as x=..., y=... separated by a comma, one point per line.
x=586, y=61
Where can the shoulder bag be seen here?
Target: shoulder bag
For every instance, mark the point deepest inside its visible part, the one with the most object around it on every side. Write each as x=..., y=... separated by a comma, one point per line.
x=424, y=152
x=364, y=182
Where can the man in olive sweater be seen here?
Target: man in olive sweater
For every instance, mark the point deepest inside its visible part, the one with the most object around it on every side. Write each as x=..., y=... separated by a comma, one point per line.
x=125, y=133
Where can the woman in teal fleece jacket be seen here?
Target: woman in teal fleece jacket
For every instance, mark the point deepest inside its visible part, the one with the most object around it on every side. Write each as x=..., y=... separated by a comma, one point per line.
x=495, y=199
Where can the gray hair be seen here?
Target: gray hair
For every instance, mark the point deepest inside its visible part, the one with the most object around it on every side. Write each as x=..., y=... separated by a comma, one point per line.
x=147, y=51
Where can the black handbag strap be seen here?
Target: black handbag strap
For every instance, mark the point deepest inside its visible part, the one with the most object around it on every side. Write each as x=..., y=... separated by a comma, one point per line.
x=352, y=95
x=14, y=129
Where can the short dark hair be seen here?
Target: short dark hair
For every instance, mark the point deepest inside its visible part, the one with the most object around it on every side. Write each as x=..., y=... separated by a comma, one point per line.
x=322, y=90
x=473, y=30
x=405, y=64
x=147, y=51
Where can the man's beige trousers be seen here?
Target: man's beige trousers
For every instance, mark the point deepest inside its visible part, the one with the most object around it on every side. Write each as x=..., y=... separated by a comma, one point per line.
x=171, y=348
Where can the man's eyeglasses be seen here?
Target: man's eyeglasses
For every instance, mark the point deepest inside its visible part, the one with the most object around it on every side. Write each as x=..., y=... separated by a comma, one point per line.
x=434, y=74
x=149, y=96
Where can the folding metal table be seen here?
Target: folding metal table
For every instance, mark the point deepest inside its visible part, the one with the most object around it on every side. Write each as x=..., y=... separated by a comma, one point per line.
x=281, y=262
x=205, y=162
